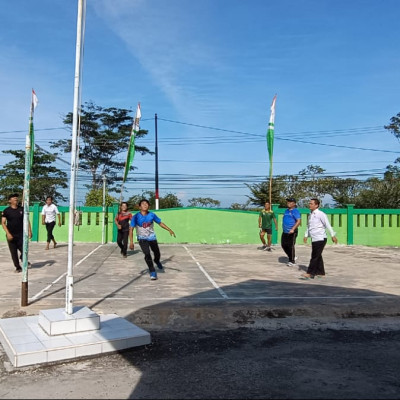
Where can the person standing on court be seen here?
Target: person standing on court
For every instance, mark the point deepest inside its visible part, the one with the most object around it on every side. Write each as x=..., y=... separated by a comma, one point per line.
x=12, y=221
x=122, y=220
x=317, y=225
x=49, y=214
x=265, y=219
x=143, y=221
x=290, y=223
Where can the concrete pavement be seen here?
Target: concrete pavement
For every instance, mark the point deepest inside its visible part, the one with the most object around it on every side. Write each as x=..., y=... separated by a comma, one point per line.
x=212, y=286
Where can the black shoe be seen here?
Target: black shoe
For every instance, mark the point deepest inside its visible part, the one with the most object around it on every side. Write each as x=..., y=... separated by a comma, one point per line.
x=19, y=269
x=159, y=265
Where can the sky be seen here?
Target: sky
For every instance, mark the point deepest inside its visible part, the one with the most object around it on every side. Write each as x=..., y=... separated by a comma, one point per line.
x=209, y=69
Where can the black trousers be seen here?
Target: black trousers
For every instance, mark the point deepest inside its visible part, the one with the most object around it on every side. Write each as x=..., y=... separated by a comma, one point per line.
x=16, y=245
x=122, y=241
x=316, y=266
x=146, y=245
x=288, y=241
x=49, y=227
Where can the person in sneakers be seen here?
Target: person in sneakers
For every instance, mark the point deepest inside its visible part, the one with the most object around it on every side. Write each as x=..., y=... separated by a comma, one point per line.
x=12, y=221
x=122, y=220
x=49, y=214
x=317, y=225
x=265, y=219
x=290, y=223
x=143, y=221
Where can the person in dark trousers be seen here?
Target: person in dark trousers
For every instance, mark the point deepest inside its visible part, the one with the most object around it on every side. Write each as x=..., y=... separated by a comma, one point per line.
x=290, y=223
x=317, y=224
x=12, y=221
x=123, y=220
x=143, y=221
x=49, y=214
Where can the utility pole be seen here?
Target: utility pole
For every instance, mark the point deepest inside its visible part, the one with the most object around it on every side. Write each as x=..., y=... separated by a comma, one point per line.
x=156, y=152
x=103, y=240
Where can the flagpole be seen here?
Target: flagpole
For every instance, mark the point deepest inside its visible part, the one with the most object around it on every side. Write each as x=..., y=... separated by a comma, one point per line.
x=25, y=245
x=270, y=183
x=69, y=293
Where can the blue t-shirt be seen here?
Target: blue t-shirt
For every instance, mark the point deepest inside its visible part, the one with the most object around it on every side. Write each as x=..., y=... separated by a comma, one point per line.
x=290, y=218
x=144, y=225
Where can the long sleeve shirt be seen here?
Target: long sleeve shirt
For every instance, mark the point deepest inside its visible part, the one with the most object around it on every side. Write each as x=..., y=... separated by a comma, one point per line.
x=316, y=226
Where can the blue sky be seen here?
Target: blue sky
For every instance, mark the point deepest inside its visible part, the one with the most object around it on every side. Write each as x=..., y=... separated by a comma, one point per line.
x=210, y=69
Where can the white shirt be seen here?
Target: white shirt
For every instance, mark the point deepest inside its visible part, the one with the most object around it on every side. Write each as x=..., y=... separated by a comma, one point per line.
x=50, y=212
x=317, y=224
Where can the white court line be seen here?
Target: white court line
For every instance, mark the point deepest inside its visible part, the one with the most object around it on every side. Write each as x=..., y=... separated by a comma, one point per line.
x=62, y=276
x=221, y=292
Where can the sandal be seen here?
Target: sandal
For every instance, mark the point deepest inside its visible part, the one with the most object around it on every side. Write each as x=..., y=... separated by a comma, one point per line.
x=306, y=277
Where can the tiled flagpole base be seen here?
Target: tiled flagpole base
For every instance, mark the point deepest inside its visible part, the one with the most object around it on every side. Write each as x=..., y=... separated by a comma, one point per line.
x=27, y=340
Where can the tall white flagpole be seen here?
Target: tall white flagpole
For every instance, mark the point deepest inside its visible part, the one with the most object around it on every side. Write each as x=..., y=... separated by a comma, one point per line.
x=69, y=292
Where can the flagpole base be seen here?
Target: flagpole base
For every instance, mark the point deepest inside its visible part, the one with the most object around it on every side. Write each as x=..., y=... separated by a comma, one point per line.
x=24, y=294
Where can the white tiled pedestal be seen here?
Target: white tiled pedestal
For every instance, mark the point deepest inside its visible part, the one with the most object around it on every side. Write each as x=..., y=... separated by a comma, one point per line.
x=58, y=322
x=55, y=335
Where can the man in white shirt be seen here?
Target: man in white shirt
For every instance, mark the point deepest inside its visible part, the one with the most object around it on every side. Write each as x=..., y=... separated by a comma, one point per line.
x=49, y=213
x=316, y=229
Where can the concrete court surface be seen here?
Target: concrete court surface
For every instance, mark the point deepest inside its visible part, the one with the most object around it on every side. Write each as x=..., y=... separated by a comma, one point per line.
x=206, y=303
x=208, y=286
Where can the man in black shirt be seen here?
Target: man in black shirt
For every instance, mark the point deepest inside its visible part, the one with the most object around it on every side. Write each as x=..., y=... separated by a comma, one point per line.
x=12, y=221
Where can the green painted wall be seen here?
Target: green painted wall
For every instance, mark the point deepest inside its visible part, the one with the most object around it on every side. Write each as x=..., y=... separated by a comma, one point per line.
x=223, y=226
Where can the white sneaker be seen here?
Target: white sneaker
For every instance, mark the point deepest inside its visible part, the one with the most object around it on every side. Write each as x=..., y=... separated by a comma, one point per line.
x=289, y=264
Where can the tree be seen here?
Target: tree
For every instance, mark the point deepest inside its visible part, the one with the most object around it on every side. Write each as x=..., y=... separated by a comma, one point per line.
x=345, y=191
x=381, y=193
x=94, y=198
x=45, y=179
x=309, y=182
x=313, y=183
x=203, y=202
x=170, y=200
x=104, y=135
x=238, y=206
x=260, y=192
x=394, y=126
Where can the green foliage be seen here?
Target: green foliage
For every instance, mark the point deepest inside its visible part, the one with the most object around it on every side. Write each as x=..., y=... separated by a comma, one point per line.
x=45, y=179
x=238, y=206
x=260, y=191
x=345, y=191
x=170, y=200
x=104, y=135
x=94, y=198
x=312, y=182
x=380, y=193
x=203, y=202
x=394, y=126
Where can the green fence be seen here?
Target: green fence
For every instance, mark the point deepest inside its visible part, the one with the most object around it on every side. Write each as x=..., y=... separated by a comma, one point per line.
x=370, y=227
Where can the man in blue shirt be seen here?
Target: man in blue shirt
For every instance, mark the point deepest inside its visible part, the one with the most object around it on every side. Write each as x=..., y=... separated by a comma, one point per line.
x=143, y=221
x=291, y=221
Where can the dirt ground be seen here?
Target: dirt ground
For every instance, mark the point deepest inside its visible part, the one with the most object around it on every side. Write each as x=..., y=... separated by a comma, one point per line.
x=227, y=364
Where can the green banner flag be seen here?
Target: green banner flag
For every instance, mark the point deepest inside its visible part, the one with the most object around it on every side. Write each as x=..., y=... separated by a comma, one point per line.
x=34, y=103
x=270, y=135
x=131, y=148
